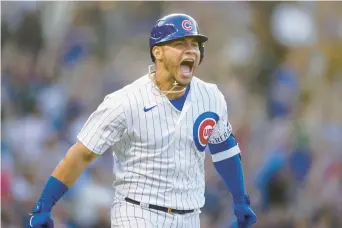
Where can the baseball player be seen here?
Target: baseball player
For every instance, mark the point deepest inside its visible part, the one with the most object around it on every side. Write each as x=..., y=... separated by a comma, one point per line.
x=159, y=128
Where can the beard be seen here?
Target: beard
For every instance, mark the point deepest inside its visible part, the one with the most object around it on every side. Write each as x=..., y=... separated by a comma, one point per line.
x=178, y=83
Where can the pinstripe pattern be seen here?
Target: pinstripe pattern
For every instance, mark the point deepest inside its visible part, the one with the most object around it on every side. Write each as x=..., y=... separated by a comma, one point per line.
x=156, y=159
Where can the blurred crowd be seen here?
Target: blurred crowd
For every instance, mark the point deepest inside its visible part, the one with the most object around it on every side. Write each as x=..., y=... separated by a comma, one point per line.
x=279, y=64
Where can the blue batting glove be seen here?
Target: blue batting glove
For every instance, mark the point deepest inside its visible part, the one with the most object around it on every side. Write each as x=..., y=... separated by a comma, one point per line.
x=40, y=218
x=244, y=214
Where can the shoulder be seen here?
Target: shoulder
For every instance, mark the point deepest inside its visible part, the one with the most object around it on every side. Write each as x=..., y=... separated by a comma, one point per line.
x=206, y=86
x=122, y=94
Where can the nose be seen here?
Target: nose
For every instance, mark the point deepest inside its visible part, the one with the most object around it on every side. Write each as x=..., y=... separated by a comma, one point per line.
x=190, y=51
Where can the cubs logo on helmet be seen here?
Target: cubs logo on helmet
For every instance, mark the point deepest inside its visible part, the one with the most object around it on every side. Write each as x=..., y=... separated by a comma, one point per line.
x=203, y=127
x=186, y=25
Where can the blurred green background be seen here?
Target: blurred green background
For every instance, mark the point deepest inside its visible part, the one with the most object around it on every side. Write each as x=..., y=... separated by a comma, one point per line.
x=279, y=64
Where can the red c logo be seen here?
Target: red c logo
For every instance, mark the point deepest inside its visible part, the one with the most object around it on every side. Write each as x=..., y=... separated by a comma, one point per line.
x=205, y=129
x=186, y=25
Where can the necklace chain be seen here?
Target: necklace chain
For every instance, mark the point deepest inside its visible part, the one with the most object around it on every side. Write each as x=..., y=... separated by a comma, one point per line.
x=166, y=92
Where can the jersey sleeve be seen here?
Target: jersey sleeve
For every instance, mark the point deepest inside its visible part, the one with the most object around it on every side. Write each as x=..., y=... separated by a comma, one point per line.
x=222, y=143
x=105, y=126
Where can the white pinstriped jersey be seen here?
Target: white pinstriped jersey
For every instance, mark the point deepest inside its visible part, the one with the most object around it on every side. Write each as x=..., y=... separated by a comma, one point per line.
x=160, y=150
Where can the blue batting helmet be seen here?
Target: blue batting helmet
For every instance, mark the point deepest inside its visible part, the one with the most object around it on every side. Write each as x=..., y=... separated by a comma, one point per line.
x=176, y=26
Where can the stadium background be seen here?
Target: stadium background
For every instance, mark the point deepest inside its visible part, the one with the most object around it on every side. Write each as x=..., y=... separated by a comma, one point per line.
x=278, y=64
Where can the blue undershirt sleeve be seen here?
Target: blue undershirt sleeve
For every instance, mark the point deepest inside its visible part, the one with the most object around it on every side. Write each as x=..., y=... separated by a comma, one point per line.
x=227, y=162
x=231, y=172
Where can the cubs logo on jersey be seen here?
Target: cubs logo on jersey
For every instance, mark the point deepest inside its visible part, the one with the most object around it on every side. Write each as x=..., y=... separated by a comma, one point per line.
x=203, y=127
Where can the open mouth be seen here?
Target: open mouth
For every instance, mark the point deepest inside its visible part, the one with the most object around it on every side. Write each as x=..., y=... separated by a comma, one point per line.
x=186, y=66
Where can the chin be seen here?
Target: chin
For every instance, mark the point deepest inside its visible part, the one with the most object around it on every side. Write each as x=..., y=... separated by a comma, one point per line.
x=184, y=81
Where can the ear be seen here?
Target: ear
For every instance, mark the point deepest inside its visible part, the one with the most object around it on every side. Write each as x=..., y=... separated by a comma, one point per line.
x=157, y=52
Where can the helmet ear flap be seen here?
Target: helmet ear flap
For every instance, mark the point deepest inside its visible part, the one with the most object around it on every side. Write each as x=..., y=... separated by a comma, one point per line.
x=201, y=48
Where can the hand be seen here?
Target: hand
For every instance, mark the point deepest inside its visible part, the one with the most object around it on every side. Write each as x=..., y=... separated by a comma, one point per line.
x=244, y=214
x=40, y=218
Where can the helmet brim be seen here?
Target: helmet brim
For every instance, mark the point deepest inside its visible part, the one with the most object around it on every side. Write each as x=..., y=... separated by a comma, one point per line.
x=199, y=37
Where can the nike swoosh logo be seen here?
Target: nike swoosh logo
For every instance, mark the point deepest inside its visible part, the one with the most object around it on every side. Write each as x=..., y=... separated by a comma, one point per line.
x=148, y=109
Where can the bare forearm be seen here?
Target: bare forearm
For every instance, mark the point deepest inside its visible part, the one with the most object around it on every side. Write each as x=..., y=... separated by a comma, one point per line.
x=74, y=163
x=68, y=170
x=65, y=174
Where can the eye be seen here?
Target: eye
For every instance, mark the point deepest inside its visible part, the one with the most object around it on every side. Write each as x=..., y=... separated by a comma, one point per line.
x=178, y=44
x=195, y=44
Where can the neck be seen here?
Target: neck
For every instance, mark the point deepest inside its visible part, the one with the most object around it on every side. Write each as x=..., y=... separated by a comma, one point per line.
x=165, y=83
